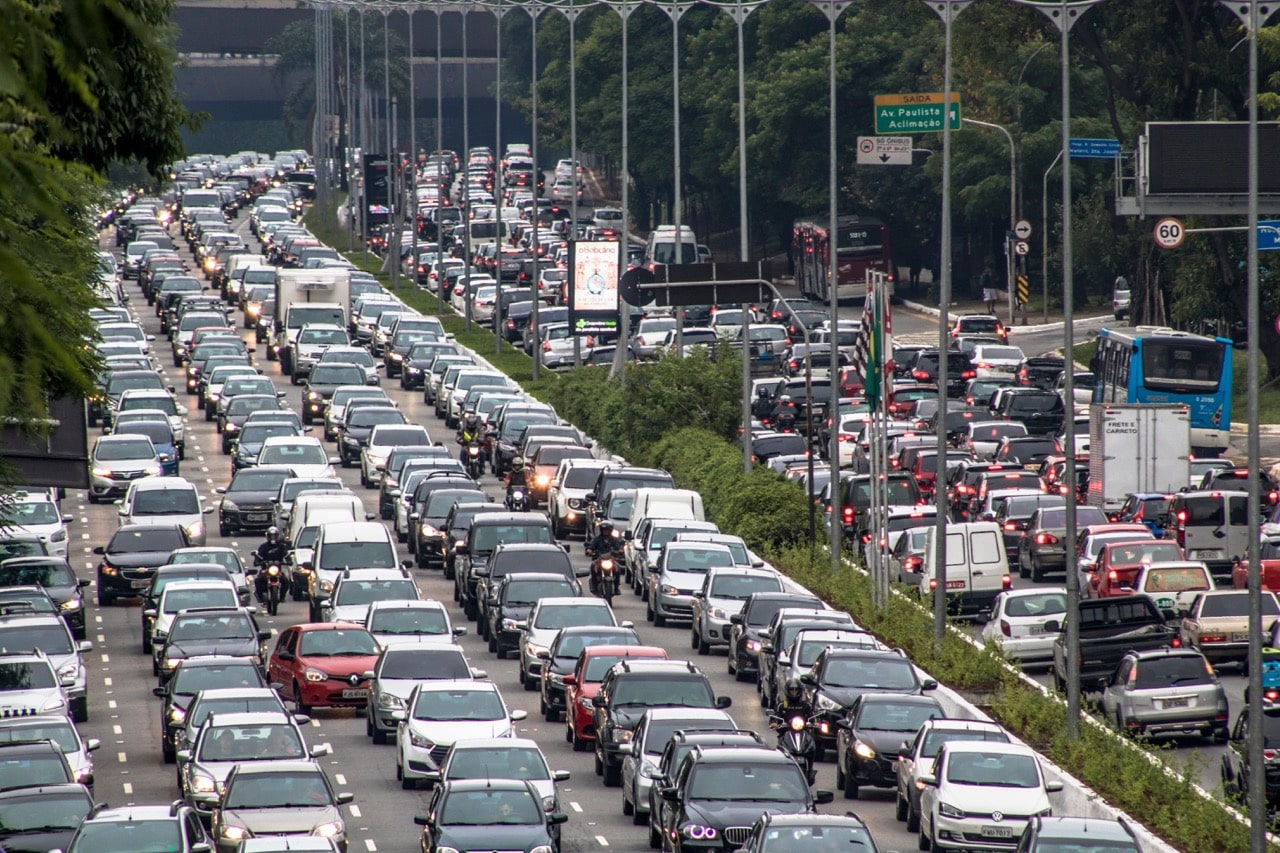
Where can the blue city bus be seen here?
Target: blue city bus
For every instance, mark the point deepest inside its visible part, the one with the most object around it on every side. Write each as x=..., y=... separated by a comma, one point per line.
x=1155, y=364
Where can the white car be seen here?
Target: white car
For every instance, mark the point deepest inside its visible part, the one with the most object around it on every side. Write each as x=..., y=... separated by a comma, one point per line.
x=439, y=713
x=165, y=500
x=1024, y=622
x=312, y=341
x=916, y=758
x=996, y=361
x=35, y=514
x=723, y=593
x=424, y=621
x=984, y=793
x=304, y=454
x=164, y=401
x=383, y=439
x=649, y=335
x=548, y=616
x=984, y=436
x=567, y=493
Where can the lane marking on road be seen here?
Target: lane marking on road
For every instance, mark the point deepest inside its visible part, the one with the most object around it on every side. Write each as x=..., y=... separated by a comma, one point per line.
x=106, y=658
x=339, y=778
x=84, y=535
x=128, y=787
x=119, y=730
x=111, y=703
x=369, y=845
x=315, y=724
x=577, y=808
x=98, y=619
x=84, y=519
x=102, y=638
x=354, y=809
x=122, y=758
x=107, y=681
x=204, y=470
x=602, y=841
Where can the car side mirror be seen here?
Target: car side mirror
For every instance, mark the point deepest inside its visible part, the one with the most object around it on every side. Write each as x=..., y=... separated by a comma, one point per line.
x=83, y=584
x=1102, y=685
x=670, y=794
x=570, y=680
x=808, y=678
x=736, y=619
x=557, y=817
x=399, y=716
x=723, y=702
x=928, y=780
x=184, y=755
x=100, y=550
x=929, y=684
x=159, y=691
x=285, y=655
x=560, y=775
x=518, y=715
x=626, y=749
x=343, y=798
x=151, y=612
x=202, y=847
x=320, y=750
x=1053, y=787
x=460, y=631
x=821, y=798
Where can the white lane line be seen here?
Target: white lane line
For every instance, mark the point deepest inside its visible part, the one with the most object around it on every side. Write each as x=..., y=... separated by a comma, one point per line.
x=577, y=808
x=111, y=703
x=119, y=730
x=107, y=681
x=98, y=619
x=369, y=845
x=315, y=724
x=339, y=778
x=84, y=535
x=106, y=658
x=355, y=810
x=102, y=638
x=122, y=758
x=204, y=470
x=128, y=787
x=602, y=841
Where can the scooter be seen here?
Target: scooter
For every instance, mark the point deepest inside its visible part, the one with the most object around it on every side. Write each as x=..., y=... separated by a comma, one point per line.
x=795, y=738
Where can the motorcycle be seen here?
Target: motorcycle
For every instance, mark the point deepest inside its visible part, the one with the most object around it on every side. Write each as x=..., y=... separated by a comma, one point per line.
x=475, y=461
x=517, y=499
x=604, y=577
x=270, y=594
x=795, y=738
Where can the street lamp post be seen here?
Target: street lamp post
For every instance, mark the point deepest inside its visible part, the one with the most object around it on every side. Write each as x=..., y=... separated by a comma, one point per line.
x=1013, y=205
x=413, y=164
x=1044, y=234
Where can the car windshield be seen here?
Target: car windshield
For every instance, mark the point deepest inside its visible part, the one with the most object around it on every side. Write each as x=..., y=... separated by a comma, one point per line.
x=365, y=555
x=993, y=769
x=398, y=436
x=569, y=615
x=1180, y=579
x=462, y=704
x=371, y=417
x=1170, y=671
x=336, y=374
x=258, y=433
x=292, y=454
x=29, y=512
x=934, y=740
x=408, y=620
x=192, y=679
x=52, y=639
x=424, y=664
x=231, y=626
x=740, y=588
x=203, y=708
x=1036, y=604
x=166, y=502
x=182, y=599
x=37, y=574
x=869, y=673
x=698, y=560
x=45, y=812
x=1235, y=605
x=322, y=336
x=366, y=592
x=250, y=743
x=515, y=762
x=663, y=690
x=119, y=451
x=486, y=537
x=896, y=717
x=752, y=782
x=132, y=836
x=336, y=642
x=490, y=806
x=303, y=789
x=18, y=675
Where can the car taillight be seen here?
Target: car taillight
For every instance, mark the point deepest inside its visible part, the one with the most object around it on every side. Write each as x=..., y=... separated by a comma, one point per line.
x=844, y=436
x=1270, y=754
x=913, y=564
x=546, y=346
x=1176, y=642
x=919, y=374
x=1011, y=525
x=1046, y=539
x=1006, y=582
x=1113, y=576
x=848, y=513
x=1005, y=628
x=933, y=584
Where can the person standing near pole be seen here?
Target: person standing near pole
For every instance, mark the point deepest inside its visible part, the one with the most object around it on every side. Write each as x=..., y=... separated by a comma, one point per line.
x=988, y=283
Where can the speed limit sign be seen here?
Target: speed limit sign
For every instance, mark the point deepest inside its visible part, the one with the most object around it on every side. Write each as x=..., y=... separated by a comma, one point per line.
x=1169, y=233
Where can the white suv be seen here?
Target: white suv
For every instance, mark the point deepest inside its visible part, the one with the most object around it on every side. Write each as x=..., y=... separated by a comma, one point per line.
x=165, y=500
x=35, y=514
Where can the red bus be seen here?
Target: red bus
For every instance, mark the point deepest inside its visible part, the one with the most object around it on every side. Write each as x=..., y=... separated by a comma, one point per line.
x=863, y=243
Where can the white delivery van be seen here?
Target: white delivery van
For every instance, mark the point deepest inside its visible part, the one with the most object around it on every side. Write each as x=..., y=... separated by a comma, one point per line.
x=333, y=503
x=1213, y=527
x=684, y=504
x=977, y=567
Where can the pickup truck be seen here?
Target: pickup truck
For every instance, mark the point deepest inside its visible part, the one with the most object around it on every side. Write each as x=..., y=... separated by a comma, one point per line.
x=1110, y=627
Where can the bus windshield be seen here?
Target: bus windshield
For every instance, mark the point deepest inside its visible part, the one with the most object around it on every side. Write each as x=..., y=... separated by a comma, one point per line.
x=1172, y=364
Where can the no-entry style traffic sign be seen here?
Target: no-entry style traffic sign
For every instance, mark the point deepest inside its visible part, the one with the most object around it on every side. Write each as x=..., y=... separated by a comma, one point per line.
x=1169, y=233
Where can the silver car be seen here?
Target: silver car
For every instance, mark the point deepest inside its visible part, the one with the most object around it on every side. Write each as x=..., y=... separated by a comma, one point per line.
x=400, y=667
x=285, y=798
x=504, y=758
x=1165, y=692
x=641, y=756
x=916, y=758
x=547, y=618
x=59, y=729
x=722, y=594
x=678, y=575
x=48, y=635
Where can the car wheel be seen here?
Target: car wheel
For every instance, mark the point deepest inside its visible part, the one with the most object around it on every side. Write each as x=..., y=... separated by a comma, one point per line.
x=900, y=808
x=659, y=620
x=693, y=637
x=628, y=809
x=379, y=736
x=303, y=707
x=493, y=643
x=1037, y=571
x=923, y=842
x=169, y=753
x=146, y=642
x=105, y=599
x=612, y=776
x=913, y=819
x=730, y=662
x=1022, y=568
x=850, y=786
x=599, y=765
x=704, y=648
x=579, y=744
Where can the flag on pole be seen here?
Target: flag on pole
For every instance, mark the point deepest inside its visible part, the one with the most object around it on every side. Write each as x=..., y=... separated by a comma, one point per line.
x=869, y=347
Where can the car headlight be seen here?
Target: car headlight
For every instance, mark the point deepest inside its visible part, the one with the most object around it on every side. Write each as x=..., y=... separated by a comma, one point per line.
x=412, y=371
x=448, y=850
x=699, y=832
x=55, y=704
x=390, y=700
x=71, y=604
x=100, y=471
x=331, y=829
x=622, y=735
x=229, y=506
x=512, y=625
x=397, y=356
x=753, y=645
x=532, y=649
x=195, y=531
x=177, y=715
x=231, y=426
x=315, y=676
x=586, y=703
x=668, y=589
x=555, y=678
x=825, y=703
x=648, y=769
x=718, y=613
x=421, y=741
x=948, y=810
x=172, y=663
x=326, y=586
x=231, y=832
x=110, y=571
x=350, y=442
x=58, y=536
x=1044, y=812
x=863, y=750
x=84, y=773
x=542, y=480
x=203, y=784
x=68, y=673
x=154, y=470
x=428, y=530
x=314, y=396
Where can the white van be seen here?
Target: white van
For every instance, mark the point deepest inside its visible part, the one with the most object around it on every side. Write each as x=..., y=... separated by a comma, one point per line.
x=977, y=567
x=661, y=247
x=335, y=506
x=348, y=545
x=1213, y=527
x=684, y=504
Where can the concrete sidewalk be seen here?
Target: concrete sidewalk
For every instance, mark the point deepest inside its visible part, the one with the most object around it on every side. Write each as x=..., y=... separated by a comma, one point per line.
x=1090, y=318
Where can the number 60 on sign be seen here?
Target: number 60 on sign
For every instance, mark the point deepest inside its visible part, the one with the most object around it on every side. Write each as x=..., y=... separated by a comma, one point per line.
x=1169, y=233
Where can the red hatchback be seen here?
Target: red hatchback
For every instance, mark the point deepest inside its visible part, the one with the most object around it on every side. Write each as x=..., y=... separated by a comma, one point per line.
x=322, y=664
x=581, y=686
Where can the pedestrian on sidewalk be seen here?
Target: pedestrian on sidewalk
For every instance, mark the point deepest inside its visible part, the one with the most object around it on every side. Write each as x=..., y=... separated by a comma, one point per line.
x=988, y=283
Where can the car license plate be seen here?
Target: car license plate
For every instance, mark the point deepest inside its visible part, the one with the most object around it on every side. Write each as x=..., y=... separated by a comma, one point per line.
x=141, y=584
x=1031, y=466
x=1035, y=630
x=997, y=831
x=1180, y=702
x=1239, y=636
x=356, y=693
x=955, y=584
x=256, y=516
x=1207, y=554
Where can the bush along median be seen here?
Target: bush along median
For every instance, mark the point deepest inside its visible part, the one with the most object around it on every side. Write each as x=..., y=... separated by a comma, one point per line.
x=682, y=415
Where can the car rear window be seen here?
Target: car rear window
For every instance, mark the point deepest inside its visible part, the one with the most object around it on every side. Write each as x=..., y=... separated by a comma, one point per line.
x=1170, y=671
x=1235, y=605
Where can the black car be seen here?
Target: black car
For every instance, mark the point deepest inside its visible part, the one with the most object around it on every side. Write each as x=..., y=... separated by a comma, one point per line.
x=1040, y=371
x=33, y=820
x=176, y=828
x=720, y=792
x=132, y=557
x=562, y=657
x=1042, y=412
x=55, y=576
x=511, y=557
x=868, y=740
x=320, y=385
x=457, y=527
x=166, y=575
x=840, y=676
x=744, y=635
x=437, y=481
x=417, y=362
x=784, y=833
x=235, y=410
x=205, y=631
x=630, y=688
x=28, y=765
x=497, y=814
x=513, y=599
x=248, y=503
x=358, y=425
x=188, y=679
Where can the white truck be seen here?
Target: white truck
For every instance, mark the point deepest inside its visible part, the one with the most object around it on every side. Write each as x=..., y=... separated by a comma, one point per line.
x=306, y=296
x=1135, y=448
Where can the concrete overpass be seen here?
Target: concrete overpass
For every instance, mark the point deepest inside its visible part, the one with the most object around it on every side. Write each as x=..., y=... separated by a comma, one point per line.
x=226, y=72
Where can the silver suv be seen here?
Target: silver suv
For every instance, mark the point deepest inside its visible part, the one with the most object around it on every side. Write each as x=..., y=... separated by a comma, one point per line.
x=1165, y=692
x=47, y=635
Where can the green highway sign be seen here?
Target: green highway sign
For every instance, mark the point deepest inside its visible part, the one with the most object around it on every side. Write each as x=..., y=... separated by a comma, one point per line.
x=915, y=113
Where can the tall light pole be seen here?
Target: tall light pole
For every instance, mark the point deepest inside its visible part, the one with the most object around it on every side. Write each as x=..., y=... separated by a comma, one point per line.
x=498, y=12
x=624, y=8
x=1017, y=110
x=534, y=10
x=1009, y=255
x=413, y=162
x=442, y=186
x=571, y=11
x=1044, y=233
x=466, y=168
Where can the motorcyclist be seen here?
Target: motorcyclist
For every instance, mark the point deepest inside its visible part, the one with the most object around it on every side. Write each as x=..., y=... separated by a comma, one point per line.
x=272, y=551
x=792, y=703
x=518, y=476
x=470, y=432
x=603, y=545
x=783, y=416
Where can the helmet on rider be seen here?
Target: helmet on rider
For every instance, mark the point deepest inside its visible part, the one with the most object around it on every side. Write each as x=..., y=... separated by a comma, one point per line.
x=794, y=692
x=784, y=400
x=517, y=464
x=472, y=421
x=273, y=533
x=606, y=528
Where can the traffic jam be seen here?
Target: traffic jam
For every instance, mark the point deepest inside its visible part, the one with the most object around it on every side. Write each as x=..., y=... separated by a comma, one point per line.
x=339, y=584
